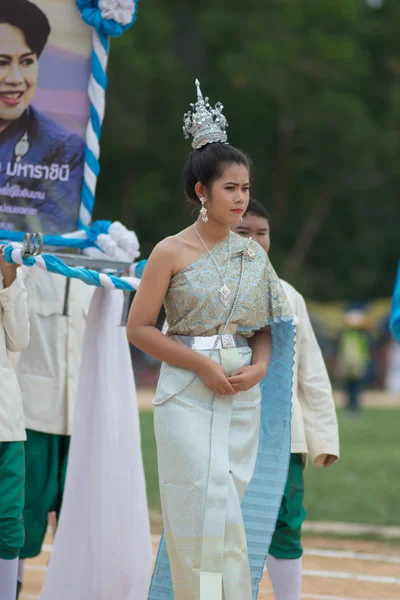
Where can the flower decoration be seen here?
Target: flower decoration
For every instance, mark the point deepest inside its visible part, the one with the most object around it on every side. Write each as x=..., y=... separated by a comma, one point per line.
x=108, y=17
x=120, y=11
x=249, y=252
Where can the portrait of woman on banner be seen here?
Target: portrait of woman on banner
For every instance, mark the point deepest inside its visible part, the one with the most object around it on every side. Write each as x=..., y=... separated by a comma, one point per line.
x=41, y=161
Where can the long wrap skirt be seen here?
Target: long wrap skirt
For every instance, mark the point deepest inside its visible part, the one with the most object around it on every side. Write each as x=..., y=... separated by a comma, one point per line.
x=207, y=449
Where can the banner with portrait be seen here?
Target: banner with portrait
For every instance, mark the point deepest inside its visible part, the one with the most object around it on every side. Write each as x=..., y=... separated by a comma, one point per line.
x=45, y=51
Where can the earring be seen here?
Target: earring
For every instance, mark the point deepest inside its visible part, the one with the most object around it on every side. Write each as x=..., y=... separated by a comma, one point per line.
x=203, y=211
x=241, y=219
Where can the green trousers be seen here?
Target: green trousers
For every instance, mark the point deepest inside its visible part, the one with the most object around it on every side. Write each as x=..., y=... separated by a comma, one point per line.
x=46, y=457
x=12, y=483
x=286, y=541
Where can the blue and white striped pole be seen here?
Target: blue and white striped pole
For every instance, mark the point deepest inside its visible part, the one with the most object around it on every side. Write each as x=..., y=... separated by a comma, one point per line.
x=108, y=19
x=97, y=94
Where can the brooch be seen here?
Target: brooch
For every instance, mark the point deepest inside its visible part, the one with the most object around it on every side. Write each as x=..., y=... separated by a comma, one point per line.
x=249, y=253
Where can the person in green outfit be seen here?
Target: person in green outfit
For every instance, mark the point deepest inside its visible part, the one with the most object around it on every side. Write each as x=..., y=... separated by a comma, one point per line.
x=14, y=337
x=314, y=426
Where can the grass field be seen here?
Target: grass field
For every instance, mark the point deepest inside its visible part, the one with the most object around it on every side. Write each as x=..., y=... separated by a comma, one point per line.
x=363, y=487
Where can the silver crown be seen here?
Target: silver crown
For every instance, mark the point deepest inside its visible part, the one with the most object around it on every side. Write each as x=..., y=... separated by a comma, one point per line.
x=204, y=123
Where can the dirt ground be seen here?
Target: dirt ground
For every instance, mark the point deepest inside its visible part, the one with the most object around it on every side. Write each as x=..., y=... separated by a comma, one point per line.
x=333, y=570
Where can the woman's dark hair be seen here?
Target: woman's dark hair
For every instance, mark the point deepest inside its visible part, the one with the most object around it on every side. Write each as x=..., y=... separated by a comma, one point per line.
x=207, y=164
x=30, y=19
x=255, y=207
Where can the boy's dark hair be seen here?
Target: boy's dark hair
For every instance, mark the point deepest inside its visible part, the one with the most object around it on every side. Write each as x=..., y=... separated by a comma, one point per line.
x=256, y=208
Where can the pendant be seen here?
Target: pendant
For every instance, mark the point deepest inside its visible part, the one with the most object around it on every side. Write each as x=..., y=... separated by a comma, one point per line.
x=224, y=293
x=22, y=147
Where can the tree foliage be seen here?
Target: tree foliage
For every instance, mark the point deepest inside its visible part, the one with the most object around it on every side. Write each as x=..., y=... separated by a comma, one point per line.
x=311, y=91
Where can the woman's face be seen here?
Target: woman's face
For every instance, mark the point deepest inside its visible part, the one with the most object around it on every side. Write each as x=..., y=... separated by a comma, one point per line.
x=228, y=197
x=18, y=74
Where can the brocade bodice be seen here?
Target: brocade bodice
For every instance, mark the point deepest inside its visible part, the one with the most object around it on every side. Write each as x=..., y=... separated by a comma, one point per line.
x=193, y=305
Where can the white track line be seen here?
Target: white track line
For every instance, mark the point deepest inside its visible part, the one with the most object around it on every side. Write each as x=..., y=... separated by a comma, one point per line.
x=31, y=567
x=349, y=528
x=324, y=597
x=25, y=596
x=319, y=596
x=353, y=576
x=306, y=573
x=316, y=552
x=351, y=555
x=323, y=553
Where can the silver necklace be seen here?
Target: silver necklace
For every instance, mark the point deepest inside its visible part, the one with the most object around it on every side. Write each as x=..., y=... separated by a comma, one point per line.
x=224, y=292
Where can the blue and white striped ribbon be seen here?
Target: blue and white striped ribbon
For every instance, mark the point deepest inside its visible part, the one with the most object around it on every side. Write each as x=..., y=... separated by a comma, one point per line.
x=77, y=239
x=97, y=93
x=13, y=254
x=103, y=17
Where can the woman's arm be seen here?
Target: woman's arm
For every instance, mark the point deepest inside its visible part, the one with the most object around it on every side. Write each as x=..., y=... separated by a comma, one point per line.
x=146, y=306
x=261, y=345
x=245, y=378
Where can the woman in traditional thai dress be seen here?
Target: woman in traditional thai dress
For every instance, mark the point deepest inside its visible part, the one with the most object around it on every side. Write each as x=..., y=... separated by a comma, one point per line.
x=223, y=440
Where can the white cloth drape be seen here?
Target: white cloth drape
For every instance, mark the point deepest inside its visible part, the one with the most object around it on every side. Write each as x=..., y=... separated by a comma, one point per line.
x=102, y=549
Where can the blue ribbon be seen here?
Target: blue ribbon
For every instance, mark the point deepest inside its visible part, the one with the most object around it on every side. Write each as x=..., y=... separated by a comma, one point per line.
x=91, y=14
x=395, y=314
x=60, y=241
x=140, y=268
x=56, y=265
x=49, y=240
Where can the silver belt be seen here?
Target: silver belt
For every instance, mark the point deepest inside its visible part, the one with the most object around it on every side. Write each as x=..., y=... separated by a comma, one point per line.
x=211, y=342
